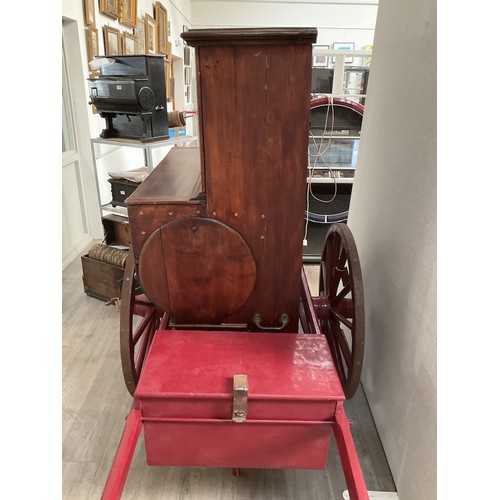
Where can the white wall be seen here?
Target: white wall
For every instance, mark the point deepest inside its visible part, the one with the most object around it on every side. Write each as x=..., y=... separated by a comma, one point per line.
x=393, y=218
x=346, y=21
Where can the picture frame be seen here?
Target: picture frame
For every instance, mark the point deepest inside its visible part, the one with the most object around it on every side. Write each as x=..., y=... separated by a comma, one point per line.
x=320, y=61
x=344, y=46
x=128, y=13
x=92, y=43
x=139, y=33
x=110, y=8
x=112, y=41
x=168, y=76
x=168, y=57
x=90, y=13
x=149, y=34
x=161, y=18
x=130, y=44
x=187, y=75
x=187, y=56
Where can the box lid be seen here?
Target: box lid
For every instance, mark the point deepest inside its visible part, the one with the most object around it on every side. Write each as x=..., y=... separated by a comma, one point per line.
x=286, y=373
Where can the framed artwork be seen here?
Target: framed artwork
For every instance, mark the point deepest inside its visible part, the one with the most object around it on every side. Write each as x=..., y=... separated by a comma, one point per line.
x=139, y=33
x=149, y=34
x=320, y=61
x=128, y=12
x=187, y=76
x=161, y=18
x=112, y=41
x=110, y=8
x=92, y=43
x=187, y=56
x=168, y=75
x=344, y=46
x=169, y=52
x=130, y=44
x=90, y=13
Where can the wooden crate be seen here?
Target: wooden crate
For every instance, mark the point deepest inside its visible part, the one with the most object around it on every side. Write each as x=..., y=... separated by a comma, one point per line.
x=116, y=230
x=100, y=279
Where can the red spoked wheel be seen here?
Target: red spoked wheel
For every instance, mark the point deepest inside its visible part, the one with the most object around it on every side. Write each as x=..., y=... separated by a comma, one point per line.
x=340, y=305
x=139, y=320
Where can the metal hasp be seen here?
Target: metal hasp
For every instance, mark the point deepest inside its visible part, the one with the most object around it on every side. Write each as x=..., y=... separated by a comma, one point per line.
x=240, y=398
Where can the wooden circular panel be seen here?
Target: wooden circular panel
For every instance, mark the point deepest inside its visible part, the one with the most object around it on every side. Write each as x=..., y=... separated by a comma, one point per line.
x=199, y=270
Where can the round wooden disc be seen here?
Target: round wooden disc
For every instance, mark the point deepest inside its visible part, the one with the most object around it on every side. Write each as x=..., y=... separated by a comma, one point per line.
x=199, y=270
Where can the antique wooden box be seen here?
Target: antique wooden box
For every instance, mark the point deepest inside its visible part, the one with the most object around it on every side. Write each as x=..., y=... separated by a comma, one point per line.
x=116, y=230
x=101, y=279
x=196, y=414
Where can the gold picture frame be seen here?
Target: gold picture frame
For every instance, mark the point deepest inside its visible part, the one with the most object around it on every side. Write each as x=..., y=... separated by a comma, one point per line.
x=92, y=43
x=168, y=75
x=110, y=8
x=90, y=13
x=169, y=52
x=149, y=34
x=128, y=13
x=161, y=17
x=139, y=33
x=130, y=44
x=112, y=41
x=187, y=56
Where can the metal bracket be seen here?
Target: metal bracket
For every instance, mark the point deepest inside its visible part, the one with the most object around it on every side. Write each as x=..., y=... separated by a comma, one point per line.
x=240, y=398
x=257, y=319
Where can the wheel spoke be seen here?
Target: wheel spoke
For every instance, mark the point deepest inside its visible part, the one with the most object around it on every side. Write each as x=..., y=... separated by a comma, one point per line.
x=323, y=279
x=339, y=271
x=344, y=346
x=144, y=347
x=337, y=357
x=142, y=326
x=341, y=318
x=342, y=294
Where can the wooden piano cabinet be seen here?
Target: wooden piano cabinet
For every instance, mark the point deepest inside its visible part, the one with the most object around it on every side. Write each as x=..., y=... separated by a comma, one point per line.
x=254, y=93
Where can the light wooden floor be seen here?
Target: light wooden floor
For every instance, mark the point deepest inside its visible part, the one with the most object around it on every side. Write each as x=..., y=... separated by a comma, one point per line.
x=95, y=404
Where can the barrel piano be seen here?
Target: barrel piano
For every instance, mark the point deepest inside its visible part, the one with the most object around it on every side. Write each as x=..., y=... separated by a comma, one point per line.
x=231, y=362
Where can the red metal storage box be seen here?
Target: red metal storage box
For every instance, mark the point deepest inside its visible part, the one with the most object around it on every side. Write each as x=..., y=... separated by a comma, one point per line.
x=188, y=399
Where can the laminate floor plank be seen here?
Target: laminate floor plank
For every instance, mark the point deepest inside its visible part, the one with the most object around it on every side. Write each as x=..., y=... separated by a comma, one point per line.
x=95, y=404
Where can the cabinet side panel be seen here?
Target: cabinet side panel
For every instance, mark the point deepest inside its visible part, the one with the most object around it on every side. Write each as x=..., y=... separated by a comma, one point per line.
x=255, y=108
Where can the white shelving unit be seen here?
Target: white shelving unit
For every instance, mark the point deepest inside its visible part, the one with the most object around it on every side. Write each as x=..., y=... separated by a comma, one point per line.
x=148, y=161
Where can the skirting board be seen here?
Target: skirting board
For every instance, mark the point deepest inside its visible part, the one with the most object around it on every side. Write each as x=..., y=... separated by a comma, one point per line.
x=376, y=495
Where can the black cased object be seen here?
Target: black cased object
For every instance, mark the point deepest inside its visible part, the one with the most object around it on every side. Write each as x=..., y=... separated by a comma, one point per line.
x=121, y=189
x=130, y=94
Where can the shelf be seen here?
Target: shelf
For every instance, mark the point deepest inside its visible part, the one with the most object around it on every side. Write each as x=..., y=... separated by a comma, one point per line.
x=330, y=180
x=118, y=210
x=135, y=143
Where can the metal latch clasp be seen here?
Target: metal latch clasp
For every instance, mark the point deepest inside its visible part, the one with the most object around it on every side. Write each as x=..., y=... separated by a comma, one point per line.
x=240, y=398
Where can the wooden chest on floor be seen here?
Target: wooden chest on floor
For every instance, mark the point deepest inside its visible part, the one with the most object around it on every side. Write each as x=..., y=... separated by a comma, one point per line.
x=276, y=413
x=101, y=279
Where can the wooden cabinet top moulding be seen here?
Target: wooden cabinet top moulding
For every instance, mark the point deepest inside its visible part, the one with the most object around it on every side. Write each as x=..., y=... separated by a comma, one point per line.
x=250, y=36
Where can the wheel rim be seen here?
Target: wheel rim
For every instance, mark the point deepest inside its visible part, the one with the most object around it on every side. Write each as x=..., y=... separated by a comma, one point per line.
x=139, y=320
x=340, y=305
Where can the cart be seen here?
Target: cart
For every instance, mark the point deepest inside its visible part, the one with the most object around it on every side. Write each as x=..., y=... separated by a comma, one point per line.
x=231, y=362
